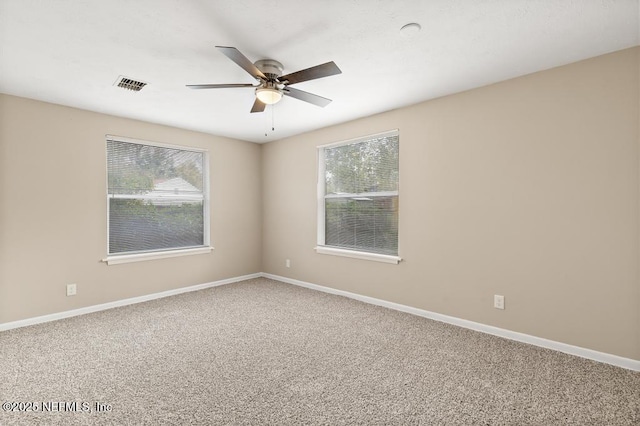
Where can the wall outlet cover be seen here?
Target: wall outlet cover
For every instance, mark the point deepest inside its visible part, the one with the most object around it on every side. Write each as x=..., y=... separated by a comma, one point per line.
x=71, y=289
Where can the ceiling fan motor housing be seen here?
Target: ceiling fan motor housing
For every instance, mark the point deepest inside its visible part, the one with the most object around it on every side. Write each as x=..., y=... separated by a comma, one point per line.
x=272, y=69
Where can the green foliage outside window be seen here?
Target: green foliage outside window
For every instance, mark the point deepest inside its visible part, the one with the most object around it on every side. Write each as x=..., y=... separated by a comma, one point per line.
x=155, y=195
x=361, y=195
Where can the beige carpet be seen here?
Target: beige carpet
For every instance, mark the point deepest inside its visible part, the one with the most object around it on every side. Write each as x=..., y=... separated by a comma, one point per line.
x=264, y=352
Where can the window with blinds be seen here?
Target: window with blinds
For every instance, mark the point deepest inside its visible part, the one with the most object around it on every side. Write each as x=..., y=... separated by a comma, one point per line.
x=358, y=195
x=157, y=197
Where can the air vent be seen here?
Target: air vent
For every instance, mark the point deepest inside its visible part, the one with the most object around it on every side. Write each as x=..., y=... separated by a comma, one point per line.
x=129, y=84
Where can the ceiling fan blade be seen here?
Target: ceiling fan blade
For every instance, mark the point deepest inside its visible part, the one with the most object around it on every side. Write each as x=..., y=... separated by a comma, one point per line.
x=217, y=86
x=258, y=106
x=242, y=61
x=306, y=96
x=319, y=71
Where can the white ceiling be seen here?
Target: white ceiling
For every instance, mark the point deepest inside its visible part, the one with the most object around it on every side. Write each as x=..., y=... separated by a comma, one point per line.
x=70, y=52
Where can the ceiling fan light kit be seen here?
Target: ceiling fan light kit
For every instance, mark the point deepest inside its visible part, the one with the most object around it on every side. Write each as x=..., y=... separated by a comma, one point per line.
x=268, y=95
x=272, y=84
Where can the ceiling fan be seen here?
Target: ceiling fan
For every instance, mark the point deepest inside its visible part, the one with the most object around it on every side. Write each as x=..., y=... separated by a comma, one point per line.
x=272, y=85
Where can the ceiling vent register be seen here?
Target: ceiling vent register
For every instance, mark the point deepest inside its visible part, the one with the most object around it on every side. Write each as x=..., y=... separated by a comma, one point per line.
x=130, y=84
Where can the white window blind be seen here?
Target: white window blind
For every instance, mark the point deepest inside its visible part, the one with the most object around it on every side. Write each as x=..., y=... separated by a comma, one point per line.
x=358, y=195
x=157, y=197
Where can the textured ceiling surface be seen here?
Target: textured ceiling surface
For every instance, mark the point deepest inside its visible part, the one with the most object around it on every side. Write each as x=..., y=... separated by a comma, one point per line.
x=71, y=52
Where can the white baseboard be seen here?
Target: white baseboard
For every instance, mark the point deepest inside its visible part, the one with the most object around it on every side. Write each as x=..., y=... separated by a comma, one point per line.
x=606, y=358
x=123, y=302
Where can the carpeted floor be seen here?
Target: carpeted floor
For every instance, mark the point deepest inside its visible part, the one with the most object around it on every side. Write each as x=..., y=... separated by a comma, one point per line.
x=264, y=352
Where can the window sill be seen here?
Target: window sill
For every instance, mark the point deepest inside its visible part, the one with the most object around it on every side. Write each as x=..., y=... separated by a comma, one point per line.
x=141, y=257
x=363, y=255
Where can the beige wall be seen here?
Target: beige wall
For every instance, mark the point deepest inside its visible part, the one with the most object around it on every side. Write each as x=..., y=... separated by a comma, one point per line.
x=528, y=188
x=53, y=211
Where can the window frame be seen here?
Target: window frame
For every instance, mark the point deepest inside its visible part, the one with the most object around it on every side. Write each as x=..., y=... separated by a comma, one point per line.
x=137, y=256
x=321, y=248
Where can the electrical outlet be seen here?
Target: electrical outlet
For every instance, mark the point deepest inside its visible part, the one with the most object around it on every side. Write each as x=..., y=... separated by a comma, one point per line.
x=287, y=263
x=71, y=289
x=498, y=301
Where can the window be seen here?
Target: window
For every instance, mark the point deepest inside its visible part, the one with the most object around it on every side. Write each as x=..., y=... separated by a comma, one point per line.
x=358, y=198
x=157, y=199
